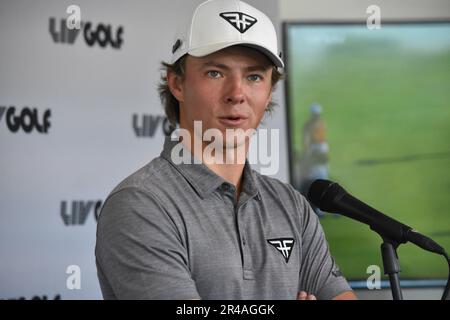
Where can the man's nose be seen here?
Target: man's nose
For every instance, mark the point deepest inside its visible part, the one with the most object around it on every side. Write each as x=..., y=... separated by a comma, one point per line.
x=234, y=93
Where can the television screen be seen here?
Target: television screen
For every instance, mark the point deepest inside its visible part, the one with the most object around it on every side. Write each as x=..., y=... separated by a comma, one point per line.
x=370, y=109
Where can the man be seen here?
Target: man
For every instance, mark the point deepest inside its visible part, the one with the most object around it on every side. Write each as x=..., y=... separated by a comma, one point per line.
x=314, y=157
x=209, y=227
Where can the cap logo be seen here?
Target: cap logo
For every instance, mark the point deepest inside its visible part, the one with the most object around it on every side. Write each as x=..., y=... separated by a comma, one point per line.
x=241, y=21
x=176, y=46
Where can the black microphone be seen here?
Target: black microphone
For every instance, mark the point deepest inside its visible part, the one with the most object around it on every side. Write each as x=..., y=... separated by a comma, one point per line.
x=330, y=196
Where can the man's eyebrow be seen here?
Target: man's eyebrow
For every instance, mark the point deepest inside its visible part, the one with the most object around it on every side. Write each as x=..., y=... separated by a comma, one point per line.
x=261, y=68
x=215, y=65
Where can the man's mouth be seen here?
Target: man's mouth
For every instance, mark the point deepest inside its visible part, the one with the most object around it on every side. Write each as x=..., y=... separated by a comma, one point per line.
x=232, y=120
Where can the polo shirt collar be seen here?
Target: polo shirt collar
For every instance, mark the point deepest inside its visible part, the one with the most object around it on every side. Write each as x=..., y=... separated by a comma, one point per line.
x=200, y=177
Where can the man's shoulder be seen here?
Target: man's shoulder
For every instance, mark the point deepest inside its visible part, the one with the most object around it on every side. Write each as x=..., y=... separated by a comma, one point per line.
x=277, y=187
x=145, y=178
x=268, y=181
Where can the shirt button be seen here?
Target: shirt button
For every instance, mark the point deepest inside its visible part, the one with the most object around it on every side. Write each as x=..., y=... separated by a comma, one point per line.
x=227, y=188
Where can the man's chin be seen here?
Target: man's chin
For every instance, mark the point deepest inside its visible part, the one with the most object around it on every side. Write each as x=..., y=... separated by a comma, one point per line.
x=226, y=144
x=237, y=143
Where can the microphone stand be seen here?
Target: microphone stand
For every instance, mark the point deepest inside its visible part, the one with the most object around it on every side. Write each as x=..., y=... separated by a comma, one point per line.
x=391, y=266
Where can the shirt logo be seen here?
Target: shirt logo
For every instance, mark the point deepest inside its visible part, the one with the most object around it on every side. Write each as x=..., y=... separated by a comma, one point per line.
x=283, y=245
x=241, y=21
x=335, y=270
x=337, y=273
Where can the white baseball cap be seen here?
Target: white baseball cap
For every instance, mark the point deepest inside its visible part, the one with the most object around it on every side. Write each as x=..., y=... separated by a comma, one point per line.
x=218, y=24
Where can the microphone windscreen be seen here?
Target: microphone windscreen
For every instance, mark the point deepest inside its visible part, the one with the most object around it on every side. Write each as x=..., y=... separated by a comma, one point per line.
x=324, y=193
x=317, y=191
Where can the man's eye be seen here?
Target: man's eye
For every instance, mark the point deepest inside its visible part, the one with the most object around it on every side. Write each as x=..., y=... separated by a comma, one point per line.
x=254, y=77
x=214, y=74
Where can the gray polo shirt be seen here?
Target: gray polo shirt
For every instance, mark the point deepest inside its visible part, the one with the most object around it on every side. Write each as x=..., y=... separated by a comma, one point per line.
x=173, y=231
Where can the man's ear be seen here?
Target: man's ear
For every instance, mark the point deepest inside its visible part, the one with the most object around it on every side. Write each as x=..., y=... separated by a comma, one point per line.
x=175, y=83
x=270, y=98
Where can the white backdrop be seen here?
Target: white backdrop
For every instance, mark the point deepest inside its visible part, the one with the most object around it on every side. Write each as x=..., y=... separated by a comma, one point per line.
x=53, y=178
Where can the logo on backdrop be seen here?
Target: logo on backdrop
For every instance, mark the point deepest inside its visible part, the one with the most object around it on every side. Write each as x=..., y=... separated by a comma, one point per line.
x=104, y=35
x=25, y=119
x=39, y=297
x=146, y=125
x=79, y=211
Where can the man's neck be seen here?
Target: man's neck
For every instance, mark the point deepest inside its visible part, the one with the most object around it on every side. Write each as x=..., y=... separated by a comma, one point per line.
x=229, y=163
x=232, y=173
